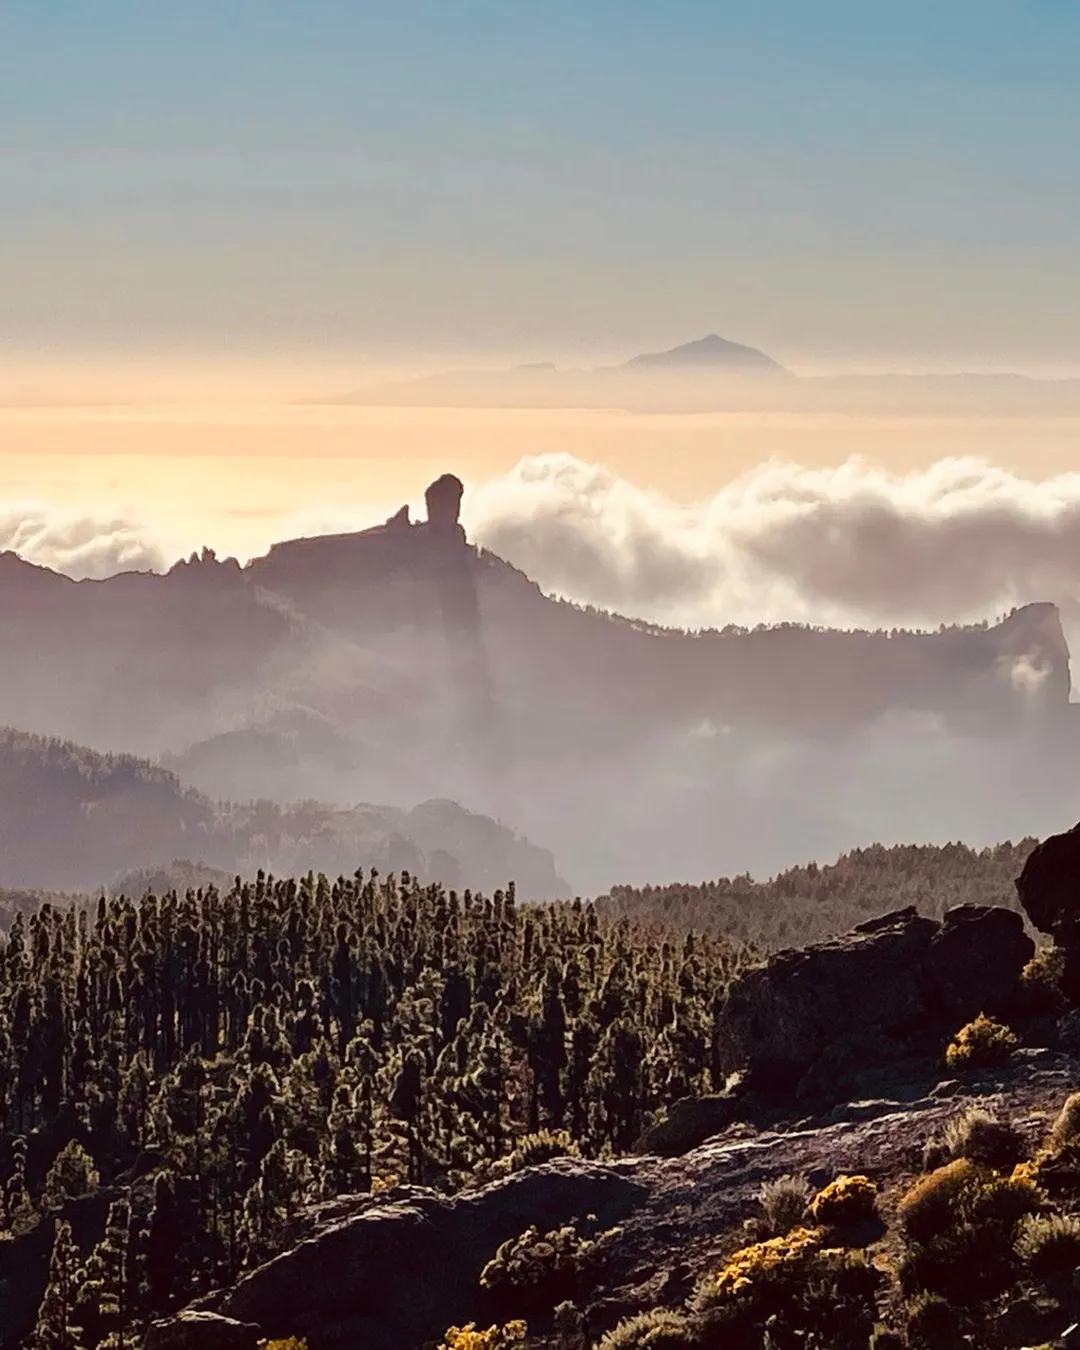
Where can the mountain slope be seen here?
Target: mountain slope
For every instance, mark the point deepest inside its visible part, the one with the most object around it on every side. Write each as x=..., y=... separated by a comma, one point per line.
x=708, y=353
x=73, y=819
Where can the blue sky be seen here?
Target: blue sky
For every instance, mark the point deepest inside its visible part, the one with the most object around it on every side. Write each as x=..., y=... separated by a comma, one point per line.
x=835, y=180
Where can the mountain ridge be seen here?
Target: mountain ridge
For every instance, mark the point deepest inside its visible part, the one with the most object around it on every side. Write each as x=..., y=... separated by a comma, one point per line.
x=403, y=664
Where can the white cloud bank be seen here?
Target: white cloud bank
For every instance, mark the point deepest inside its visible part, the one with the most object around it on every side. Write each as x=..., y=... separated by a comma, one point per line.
x=851, y=545
x=77, y=543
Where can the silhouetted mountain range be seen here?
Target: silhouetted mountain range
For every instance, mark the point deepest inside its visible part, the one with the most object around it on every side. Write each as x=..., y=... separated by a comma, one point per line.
x=714, y=374
x=402, y=664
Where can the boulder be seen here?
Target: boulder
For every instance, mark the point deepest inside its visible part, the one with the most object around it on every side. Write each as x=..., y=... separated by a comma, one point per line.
x=688, y=1123
x=1049, y=890
x=395, y=1275
x=892, y=988
x=191, y=1330
x=1049, y=887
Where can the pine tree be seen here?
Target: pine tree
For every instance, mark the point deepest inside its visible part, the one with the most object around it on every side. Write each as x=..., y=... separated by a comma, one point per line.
x=72, y=1174
x=56, y=1329
x=164, y=1239
x=103, y=1298
x=20, y=1213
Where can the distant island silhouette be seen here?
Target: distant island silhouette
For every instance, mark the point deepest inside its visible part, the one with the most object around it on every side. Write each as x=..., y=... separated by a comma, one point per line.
x=708, y=353
x=716, y=374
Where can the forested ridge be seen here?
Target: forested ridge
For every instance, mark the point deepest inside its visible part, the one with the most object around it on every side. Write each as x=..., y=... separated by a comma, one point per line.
x=287, y=1041
x=807, y=903
x=77, y=819
x=212, y=1063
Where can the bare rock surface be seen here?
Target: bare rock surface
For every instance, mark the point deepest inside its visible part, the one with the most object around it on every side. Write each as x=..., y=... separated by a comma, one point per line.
x=395, y=1275
x=392, y=1274
x=193, y=1330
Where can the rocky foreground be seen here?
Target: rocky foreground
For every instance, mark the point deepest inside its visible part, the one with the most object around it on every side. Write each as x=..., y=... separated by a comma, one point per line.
x=838, y=1068
x=392, y=1272
x=839, y=1054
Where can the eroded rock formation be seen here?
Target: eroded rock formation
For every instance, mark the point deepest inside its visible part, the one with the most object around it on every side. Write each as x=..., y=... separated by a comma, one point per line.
x=896, y=986
x=443, y=498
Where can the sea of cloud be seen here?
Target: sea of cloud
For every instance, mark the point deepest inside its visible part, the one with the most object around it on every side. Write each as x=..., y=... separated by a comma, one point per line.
x=79, y=544
x=851, y=545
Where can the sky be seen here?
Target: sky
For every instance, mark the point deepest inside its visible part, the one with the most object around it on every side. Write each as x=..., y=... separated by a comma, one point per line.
x=842, y=182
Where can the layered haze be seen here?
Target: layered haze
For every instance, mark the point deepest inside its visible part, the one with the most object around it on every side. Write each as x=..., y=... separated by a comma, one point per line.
x=851, y=546
x=671, y=780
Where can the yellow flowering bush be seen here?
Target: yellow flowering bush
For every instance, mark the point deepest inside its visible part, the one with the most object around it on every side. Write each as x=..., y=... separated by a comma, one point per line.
x=766, y=1261
x=845, y=1200
x=982, y=1044
x=494, y=1338
x=792, y=1282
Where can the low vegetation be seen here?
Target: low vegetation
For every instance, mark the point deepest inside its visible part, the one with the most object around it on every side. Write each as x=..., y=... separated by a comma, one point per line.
x=248, y=1053
x=981, y=1044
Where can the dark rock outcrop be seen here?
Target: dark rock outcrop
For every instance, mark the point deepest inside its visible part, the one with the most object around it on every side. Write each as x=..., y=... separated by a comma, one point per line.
x=397, y=1274
x=1049, y=890
x=194, y=1330
x=892, y=988
x=1049, y=887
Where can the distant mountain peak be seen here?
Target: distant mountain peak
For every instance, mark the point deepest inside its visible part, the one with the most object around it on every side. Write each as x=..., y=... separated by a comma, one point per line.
x=711, y=352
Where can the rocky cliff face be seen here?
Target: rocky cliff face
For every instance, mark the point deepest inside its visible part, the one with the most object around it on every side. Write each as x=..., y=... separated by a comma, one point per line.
x=900, y=985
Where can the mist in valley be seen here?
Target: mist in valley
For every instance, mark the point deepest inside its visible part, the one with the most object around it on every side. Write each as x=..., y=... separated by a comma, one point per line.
x=716, y=728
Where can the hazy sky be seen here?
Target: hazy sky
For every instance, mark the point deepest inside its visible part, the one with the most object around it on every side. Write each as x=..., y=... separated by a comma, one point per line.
x=850, y=179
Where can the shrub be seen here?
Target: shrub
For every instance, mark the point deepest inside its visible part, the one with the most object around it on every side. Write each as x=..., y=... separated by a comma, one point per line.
x=285, y=1343
x=806, y=1287
x=784, y=1201
x=494, y=1338
x=659, y=1329
x=532, y=1150
x=961, y=1222
x=982, y=1044
x=1056, y=1170
x=1000, y=1202
x=983, y=1139
x=1067, y=1125
x=927, y=1208
x=933, y=1324
x=884, y=1338
x=845, y=1200
x=1049, y=1244
x=1041, y=977
x=535, y=1271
